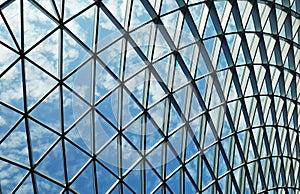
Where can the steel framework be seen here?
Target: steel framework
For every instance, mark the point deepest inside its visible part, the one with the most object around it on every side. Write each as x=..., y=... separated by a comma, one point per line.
x=182, y=96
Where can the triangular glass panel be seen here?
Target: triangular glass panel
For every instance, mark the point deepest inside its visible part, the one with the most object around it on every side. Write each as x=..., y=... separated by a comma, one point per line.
x=210, y=28
x=49, y=6
x=103, y=131
x=46, y=55
x=158, y=113
x=38, y=84
x=41, y=139
x=139, y=15
x=250, y=24
x=162, y=48
x=108, y=107
x=10, y=176
x=133, y=179
x=117, y=10
x=73, y=107
x=227, y=144
x=196, y=128
x=27, y=186
x=104, y=82
x=77, y=136
x=8, y=118
x=211, y=156
x=196, y=12
x=222, y=165
x=143, y=41
x=136, y=86
x=112, y=56
x=209, y=45
x=130, y=109
x=162, y=69
x=11, y=87
x=231, y=26
x=71, y=8
x=205, y=175
x=192, y=168
x=222, y=62
x=179, y=78
x=174, y=181
x=189, y=186
x=175, y=119
x=75, y=159
x=107, y=158
x=45, y=186
x=52, y=165
x=14, y=21
x=49, y=106
x=155, y=157
x=156, y=92
x=209, y=136
x=152, y=179
x=215, y=98
x=134, y=62
x=84, y=130
x=191, y=148
x=230, y=38
x=82, y=26
x=176, y=141
x=241, y=59
x=134, y=132
x=222, y=79
x=220, y=7
x=257, y=58
x=5, y=36
x=37, y=24
x=104, y=183
x=242, y=123
x=167, y=6
x=180, y=98
x=172, y=162
x=188, y=55
x=107, y=31
x=202, y=86
x=8, y=57
x=226, y=129
x=81, y=81
x=73, y=54
x=153, y=135
x=84, y=183
x=129, y=155
x=15, y=147
x=196, y=107
x=186, y=37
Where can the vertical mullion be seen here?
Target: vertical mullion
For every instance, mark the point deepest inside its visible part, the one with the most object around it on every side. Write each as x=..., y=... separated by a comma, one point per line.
x=92, y=96
x=31, y=162
x=120, y=105
x=60, y=74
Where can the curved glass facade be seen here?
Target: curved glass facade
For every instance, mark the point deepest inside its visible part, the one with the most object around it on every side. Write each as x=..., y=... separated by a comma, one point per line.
x=137, y=96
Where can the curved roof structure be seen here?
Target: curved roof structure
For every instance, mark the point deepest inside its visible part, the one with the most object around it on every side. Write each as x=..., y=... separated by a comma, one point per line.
x=149, y=96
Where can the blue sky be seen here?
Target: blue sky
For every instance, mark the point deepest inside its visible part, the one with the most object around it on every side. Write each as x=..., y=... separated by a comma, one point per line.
x=42, y=78
x=38, y=84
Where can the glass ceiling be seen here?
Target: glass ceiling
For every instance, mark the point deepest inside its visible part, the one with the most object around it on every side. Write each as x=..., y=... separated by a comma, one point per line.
x=158, y=96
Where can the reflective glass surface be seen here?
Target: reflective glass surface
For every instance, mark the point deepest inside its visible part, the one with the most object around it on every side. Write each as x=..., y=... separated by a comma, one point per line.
x=149, y=96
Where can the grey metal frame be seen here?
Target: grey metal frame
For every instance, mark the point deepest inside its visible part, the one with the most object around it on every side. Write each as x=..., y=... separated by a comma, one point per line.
x=271, y=106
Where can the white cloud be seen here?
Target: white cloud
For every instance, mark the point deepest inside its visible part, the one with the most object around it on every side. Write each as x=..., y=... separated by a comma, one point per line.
x=2, y=121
